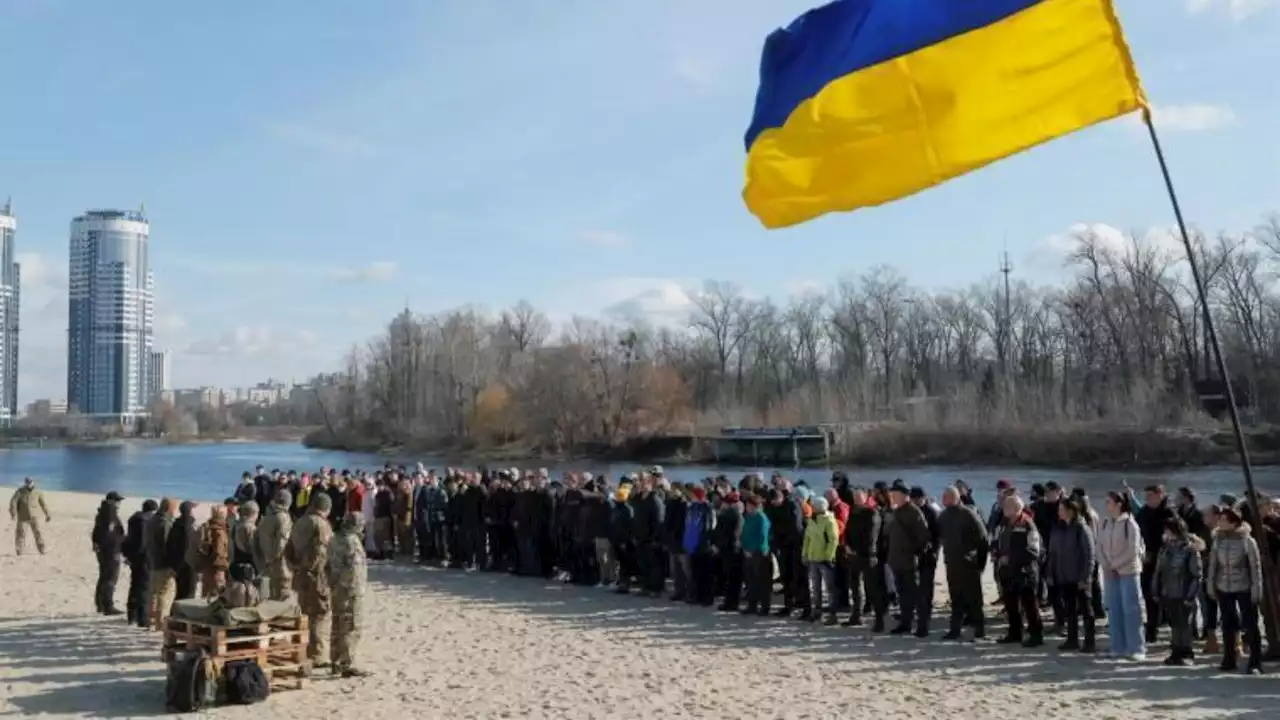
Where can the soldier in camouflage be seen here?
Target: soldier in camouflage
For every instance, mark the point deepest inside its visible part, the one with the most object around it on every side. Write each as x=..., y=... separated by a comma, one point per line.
x=269, y=544
x=308, y=556
x=348, y=575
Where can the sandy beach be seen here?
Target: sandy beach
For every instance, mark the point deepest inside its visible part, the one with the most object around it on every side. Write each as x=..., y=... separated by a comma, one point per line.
x=452, y=644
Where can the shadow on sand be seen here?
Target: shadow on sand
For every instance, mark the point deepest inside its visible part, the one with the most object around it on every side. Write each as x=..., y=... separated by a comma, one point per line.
x=1086, y=679
x=61, y=661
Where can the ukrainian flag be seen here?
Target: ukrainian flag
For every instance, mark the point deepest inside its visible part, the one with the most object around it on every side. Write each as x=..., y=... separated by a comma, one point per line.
x=866, y=101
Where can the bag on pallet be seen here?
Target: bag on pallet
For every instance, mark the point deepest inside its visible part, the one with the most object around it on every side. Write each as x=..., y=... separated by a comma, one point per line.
x=192, y=682
x=246, y=682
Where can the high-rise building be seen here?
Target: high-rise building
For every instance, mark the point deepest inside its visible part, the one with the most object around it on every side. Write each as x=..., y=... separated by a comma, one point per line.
x=160, y=377
x=112, y=316
x=10, y=296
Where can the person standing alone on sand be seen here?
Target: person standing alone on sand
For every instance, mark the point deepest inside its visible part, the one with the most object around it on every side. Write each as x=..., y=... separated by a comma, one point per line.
x=108, y=542
x=308, y=555
x=22, y=509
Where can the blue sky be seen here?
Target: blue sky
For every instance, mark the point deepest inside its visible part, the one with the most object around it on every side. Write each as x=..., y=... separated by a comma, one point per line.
x=310, y=167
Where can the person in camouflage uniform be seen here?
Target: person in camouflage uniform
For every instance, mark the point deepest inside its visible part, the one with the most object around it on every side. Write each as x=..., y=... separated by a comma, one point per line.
x=308, y=556
x=269, y=543
x=348, y=575
x=23, y=508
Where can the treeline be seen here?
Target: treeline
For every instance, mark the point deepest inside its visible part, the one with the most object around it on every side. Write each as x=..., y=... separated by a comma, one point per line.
x=1121, y=345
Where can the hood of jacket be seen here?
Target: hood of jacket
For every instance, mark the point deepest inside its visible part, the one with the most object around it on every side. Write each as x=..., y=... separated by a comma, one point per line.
x=1242, y=530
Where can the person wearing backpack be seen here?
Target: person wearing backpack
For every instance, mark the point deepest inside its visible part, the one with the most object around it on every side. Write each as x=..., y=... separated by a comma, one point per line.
x=1120, y=553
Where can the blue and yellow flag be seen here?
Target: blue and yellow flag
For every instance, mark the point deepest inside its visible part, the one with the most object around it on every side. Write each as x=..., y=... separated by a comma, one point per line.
x=866, y=101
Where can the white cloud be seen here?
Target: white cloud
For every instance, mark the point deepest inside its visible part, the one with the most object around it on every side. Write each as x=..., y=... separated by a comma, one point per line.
x=322, y=141
x=655, y=300
x=604, y=238
x=1113, y=240
x=253, y=341
x=169, y=322
x=40, y=273
x=1194, y=117
x=805, y=287
x=374, y=271
x=1237, y=10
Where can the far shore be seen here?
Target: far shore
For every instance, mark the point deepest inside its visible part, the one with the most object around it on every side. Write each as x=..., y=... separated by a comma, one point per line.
x=1086, y=447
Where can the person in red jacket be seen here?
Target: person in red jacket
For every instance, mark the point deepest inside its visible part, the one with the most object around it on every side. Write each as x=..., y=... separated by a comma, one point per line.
x=355, y=495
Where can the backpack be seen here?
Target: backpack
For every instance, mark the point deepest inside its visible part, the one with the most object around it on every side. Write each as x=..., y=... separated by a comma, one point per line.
x=192, y=682
x=246, y=682
x=200, y=548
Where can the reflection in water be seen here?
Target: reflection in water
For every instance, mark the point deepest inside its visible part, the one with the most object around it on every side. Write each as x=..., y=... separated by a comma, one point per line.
x=210, y=472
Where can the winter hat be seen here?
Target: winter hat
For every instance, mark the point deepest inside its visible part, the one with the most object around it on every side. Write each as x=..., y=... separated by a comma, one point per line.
x=733, y=498
x=804, y=492
x=819, y=505
x=899, y=487
x=917, y=493
x=1003, y=485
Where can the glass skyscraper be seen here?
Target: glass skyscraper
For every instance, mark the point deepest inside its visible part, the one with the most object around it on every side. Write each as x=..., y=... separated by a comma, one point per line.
x=111, y=321
x=10, y=292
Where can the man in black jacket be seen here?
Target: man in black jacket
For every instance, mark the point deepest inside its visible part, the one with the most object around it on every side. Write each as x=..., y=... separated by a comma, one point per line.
x=861, y=538
x=175, y=552
x=965, y=547
x=673, y=538
x=139, y=571
x=647, y=534
x=928, y=567
x=786, y=528
x=1151, y=519
x=1044, y=513
x=108, y=542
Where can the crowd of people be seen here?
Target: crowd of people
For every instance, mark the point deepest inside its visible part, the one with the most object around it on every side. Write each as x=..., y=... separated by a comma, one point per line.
x=771, y=549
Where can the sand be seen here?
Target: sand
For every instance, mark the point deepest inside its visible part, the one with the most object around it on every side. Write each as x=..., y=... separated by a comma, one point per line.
x=475, y=645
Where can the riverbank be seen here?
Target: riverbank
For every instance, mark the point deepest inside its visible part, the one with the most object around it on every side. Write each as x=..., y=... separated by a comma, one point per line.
x=478, y=645
x=244, y=435
x=1092, y=447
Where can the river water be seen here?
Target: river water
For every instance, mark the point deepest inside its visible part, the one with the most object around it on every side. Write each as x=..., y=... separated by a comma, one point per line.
x=210, y=472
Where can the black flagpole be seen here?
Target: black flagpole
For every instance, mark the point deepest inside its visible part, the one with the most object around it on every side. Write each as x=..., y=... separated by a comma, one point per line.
x=1269, y=610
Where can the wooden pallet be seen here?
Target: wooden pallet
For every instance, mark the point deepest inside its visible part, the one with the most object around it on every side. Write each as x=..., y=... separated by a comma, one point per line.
x=278, y=646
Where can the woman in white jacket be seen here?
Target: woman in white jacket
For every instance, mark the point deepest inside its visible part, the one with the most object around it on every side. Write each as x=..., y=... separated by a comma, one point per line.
x=1120, y=552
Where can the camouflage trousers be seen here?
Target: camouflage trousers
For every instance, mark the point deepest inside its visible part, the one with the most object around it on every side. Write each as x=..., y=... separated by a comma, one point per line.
x=316, y=605
x=20, y=535
x=279, y=582
x=160, y=597
x=347, y=612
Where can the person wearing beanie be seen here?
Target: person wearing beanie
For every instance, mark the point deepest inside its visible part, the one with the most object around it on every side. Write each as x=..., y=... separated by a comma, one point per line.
x=821, y=542
x=134, y=552
x=908, y=539
x=928, y=563
x=621, y=518
x=727, y=545
x=1018, y=553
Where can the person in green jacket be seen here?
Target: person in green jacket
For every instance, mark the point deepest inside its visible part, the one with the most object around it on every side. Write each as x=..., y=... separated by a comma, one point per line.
x=821, y=538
